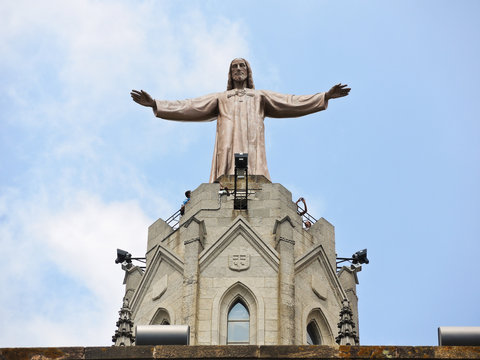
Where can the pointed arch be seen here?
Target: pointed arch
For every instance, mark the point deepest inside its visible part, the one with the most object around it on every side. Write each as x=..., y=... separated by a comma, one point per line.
x=316, y=325
x=222, y=304
x=238, y=324
x=161, y=317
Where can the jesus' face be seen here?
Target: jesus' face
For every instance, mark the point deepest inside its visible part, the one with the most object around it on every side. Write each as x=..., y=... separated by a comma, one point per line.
x=239, y=70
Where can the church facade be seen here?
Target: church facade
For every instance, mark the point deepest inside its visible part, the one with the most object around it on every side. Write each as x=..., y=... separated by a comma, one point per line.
x=256, y=276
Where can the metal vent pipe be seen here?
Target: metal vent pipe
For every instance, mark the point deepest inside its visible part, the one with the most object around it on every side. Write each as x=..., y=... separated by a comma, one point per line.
x=162, y=335
x=459, y=336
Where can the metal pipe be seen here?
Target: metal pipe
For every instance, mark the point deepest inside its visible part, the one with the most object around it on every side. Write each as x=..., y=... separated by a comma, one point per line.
x=459, y=336
x=162, y=335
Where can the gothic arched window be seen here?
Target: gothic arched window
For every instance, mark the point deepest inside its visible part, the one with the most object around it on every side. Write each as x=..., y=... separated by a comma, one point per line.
x=161, y=317
x=313, y=335
x=238, y=324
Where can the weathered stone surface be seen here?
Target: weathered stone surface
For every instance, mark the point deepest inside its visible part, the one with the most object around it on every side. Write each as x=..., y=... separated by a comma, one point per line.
x=264, y=253
x=119, y=352
x=156, y=233
x=242, y=352
x=54, y=353
x=283, y=230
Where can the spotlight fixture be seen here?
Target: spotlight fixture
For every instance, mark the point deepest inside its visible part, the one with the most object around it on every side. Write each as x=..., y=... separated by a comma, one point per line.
x=360, y=257
x=125, y=258
x=241, y=171
x=241, y=161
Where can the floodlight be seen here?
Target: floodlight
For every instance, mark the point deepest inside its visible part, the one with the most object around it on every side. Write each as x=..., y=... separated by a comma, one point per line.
x=241, y=161
x=241, y=171
x=360, y=257
x=123, y=256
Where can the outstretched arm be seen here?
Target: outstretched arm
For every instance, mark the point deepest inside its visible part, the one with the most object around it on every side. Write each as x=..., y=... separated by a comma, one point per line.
x=204, y=108
x=337, y=91
x=143, y=98
x=283, y=105
x=301, y=211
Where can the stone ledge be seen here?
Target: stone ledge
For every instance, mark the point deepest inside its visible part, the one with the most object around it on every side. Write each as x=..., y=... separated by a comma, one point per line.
x=242, y=352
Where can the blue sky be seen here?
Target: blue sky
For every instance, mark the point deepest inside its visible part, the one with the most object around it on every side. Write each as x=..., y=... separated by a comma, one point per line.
x=83, y=170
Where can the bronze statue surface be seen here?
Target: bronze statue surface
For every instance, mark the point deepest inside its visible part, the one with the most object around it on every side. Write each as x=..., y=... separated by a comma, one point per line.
x=240, y=112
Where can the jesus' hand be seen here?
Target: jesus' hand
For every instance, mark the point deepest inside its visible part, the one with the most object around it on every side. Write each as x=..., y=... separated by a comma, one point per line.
x=337, y=91
x=143, y=98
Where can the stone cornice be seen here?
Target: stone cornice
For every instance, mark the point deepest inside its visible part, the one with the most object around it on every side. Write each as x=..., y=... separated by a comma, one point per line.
x=281, y=238
x=192, y=240
x=242, y=352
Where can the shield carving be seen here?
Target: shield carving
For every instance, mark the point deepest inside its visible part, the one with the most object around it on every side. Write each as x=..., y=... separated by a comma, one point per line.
x=239, y=262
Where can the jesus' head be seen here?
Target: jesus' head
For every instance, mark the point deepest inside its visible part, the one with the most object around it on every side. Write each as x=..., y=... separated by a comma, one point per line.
x=240, y=71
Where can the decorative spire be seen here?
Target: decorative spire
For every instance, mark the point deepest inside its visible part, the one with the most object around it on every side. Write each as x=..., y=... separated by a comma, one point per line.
x=124, y=334
x=346, y=333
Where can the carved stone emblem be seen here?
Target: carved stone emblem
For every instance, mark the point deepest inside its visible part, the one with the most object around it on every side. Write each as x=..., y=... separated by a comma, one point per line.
x=239, y=262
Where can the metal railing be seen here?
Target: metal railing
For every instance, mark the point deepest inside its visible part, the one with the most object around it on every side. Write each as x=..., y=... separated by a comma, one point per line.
x=174, y=220
x=307, y=219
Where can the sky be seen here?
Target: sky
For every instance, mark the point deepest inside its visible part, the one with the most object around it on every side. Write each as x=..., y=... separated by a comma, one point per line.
x=84, y=170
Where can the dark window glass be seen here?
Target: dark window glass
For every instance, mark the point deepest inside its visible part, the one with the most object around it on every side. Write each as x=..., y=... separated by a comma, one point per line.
x=313, y=335
x=238, y=323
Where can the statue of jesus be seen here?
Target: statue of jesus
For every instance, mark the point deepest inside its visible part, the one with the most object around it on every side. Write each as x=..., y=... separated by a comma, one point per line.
x=240, y=112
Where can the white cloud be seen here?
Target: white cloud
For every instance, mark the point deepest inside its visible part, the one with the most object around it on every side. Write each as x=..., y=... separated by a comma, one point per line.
x=82, y=238
x=60, y=271
x=82, y=58
x=79, y=190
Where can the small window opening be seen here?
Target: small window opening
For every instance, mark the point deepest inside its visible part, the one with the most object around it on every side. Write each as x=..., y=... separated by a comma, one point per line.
x=238, y=329
x=313, y=335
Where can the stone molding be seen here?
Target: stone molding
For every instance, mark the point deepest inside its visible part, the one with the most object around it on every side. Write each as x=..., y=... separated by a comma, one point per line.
x=239, y=262
x=239, y=227
x=194, y=230
x=279, y=222
x=350, y=271
x=283, y=232
x=161, y=254
x=224, y=299
x=318, y=254
x=286, y=240
x=162, y=314
x=160, y=287
x=146, y=352
x=316, y=314
x=186, y=242
x=316, y=288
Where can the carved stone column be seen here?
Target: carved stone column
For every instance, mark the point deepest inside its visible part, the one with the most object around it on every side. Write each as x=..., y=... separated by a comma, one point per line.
x=286, y=280
x=193, y=234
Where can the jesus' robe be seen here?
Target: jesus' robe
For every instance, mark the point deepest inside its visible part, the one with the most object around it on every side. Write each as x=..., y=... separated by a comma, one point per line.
x=240, y=115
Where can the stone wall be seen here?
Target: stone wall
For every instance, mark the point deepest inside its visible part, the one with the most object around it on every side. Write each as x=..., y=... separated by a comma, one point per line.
x=264, y=257
x=242, y=352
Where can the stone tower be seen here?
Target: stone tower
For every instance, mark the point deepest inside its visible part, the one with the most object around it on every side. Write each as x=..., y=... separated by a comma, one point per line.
x=254, y=276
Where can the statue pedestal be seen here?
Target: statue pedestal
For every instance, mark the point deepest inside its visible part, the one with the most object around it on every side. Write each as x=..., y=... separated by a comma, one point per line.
x=263, y=257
